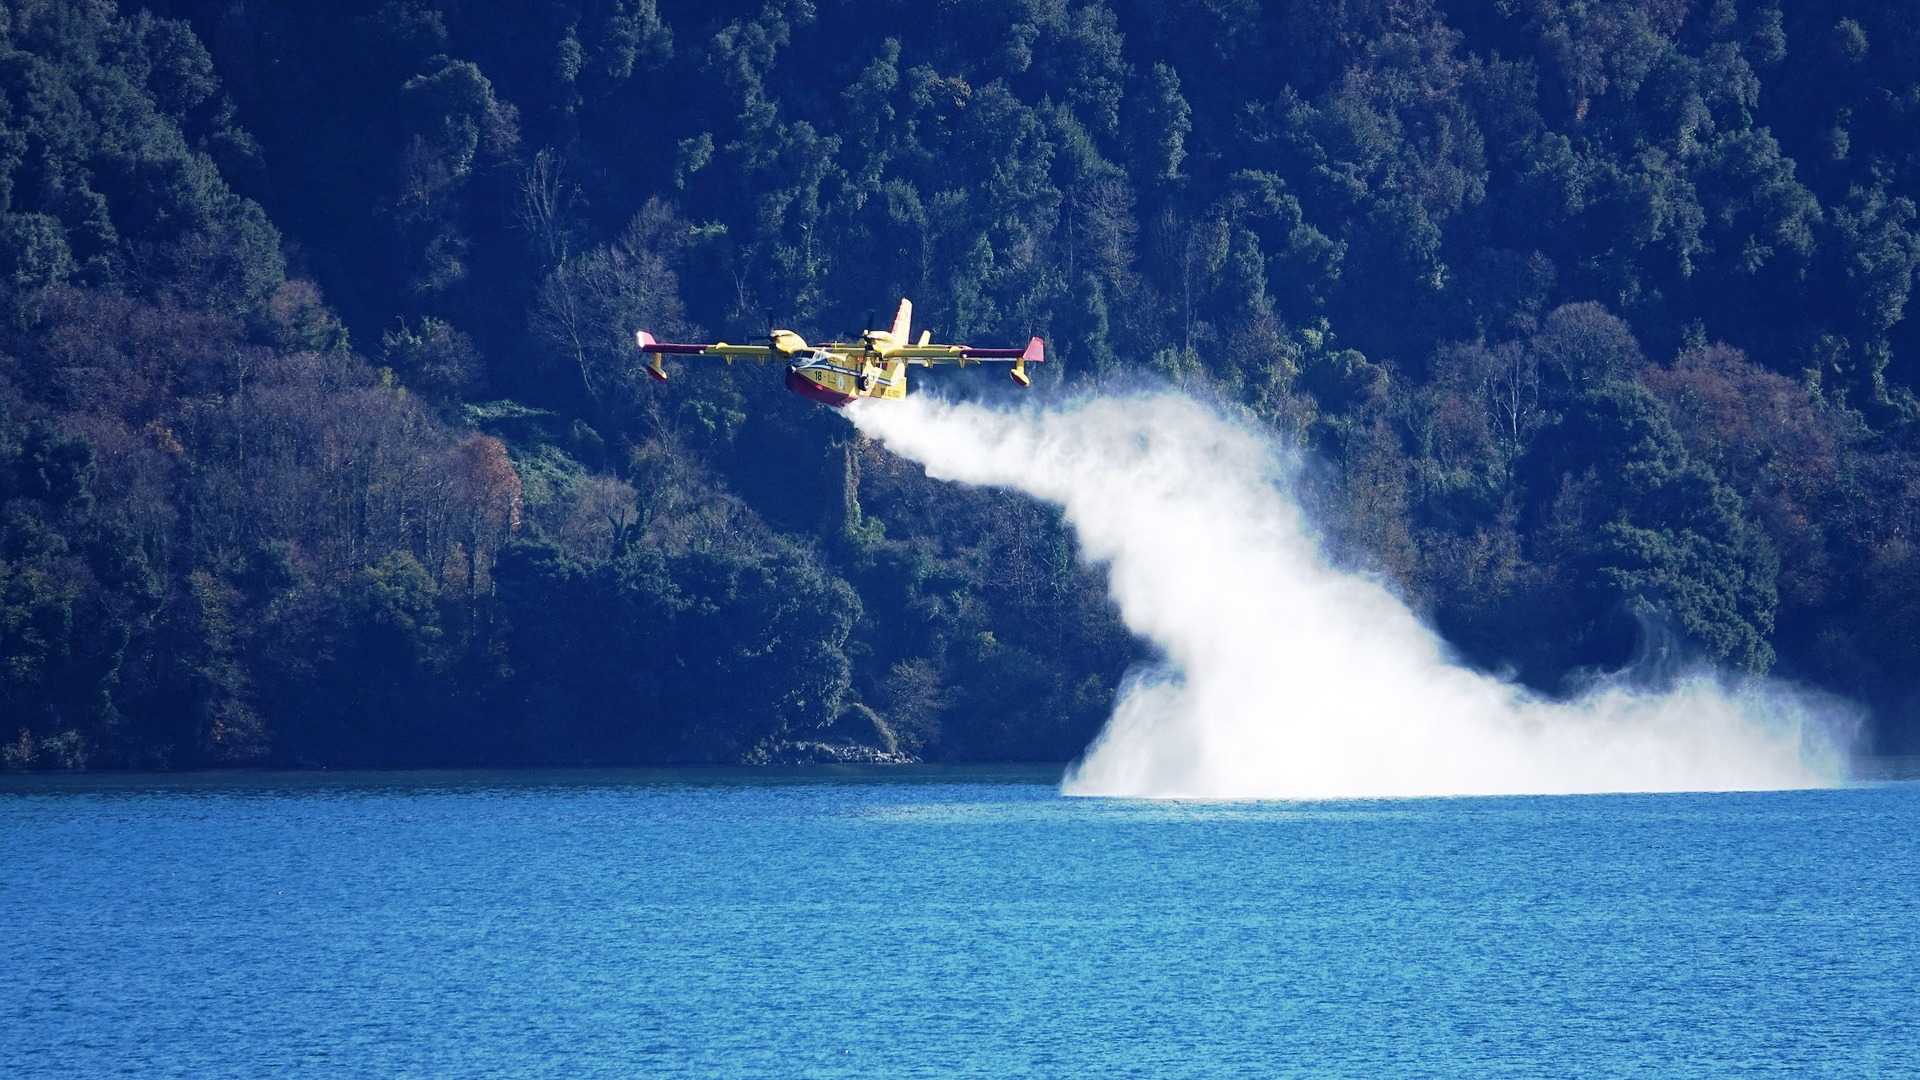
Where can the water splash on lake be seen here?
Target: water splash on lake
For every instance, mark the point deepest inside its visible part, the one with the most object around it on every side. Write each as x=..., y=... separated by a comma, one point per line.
x=1286, y=677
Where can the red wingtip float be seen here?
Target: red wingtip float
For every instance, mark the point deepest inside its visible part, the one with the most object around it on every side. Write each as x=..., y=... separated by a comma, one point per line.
x=840, y=372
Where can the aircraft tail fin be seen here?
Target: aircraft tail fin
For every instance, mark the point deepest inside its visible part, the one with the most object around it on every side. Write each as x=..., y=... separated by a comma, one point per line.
x=903, y=321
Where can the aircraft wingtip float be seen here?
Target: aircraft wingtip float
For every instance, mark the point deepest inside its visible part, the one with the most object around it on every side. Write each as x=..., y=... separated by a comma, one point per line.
x=839, y=372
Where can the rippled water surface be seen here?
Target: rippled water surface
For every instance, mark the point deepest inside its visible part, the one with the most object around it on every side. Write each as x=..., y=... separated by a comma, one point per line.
x=944, y=923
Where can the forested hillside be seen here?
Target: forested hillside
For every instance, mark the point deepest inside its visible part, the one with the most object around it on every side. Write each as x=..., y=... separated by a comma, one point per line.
x=322, y=441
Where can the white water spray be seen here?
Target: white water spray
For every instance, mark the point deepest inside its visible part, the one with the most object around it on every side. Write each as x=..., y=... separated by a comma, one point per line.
x=1288, y=678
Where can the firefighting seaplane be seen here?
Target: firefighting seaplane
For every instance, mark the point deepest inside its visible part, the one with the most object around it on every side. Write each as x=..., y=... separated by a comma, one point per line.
x=838, y=372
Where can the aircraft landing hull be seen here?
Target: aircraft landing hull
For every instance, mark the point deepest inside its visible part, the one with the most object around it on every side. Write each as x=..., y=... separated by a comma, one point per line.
x=830, y=380
x=813, y=391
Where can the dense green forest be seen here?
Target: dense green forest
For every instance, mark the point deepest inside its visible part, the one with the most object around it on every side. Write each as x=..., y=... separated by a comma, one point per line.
x=321, y=440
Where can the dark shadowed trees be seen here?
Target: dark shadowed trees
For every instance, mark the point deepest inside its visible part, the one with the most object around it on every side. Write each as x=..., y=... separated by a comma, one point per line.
x=324, y=439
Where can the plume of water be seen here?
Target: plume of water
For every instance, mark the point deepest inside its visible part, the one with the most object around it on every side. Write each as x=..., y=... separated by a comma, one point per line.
x=1285, y=677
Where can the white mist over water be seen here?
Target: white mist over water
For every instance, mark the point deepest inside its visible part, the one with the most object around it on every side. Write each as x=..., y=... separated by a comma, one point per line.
x=1288, y=678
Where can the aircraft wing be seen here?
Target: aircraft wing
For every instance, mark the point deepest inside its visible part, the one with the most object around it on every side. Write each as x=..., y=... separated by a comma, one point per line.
x=1034, y=353
x=718, y=348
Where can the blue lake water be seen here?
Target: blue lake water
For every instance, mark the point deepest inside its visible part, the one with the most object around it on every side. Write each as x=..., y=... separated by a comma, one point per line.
x=901, y=923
